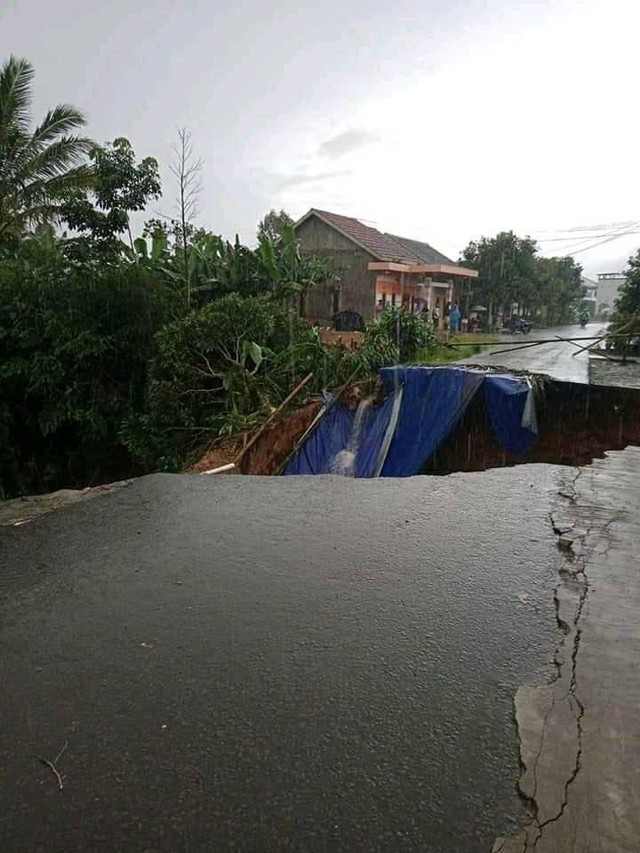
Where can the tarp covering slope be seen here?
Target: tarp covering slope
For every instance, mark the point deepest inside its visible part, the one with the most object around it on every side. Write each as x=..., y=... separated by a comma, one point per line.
x=325, y=450
x=423, y=405
x=512, y=412
x=434, y=400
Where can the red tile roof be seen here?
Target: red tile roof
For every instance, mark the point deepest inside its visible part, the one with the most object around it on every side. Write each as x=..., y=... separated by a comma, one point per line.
x=380, y=245
x=426, y=253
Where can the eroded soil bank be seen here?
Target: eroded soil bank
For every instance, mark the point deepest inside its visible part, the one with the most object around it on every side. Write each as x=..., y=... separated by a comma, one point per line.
x=577, y=423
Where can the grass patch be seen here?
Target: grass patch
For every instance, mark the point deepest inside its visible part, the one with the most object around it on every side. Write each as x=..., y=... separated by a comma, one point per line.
x=466, y=345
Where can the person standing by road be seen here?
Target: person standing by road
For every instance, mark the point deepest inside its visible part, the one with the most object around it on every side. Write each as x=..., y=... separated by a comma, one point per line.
x=454, y=319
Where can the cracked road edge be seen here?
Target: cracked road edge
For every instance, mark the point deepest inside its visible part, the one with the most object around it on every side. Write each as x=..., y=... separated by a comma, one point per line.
x=549, y=716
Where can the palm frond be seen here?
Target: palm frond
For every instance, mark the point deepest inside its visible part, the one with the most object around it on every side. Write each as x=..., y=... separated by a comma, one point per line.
x=62, y=120
x=57, y=157
x=37, y=170
x=57, y=187
x=16, y=77
x=38, y=215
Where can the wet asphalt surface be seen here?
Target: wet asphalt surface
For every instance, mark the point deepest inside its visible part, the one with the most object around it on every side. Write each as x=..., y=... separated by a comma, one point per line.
x=560, y=359
x=260, y=664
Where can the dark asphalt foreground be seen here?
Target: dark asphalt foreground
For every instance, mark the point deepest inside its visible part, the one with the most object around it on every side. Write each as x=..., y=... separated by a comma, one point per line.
x=260, y=664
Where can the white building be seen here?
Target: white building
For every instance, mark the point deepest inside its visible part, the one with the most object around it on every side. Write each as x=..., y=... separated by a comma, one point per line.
x=609, y=284
x=590, y=298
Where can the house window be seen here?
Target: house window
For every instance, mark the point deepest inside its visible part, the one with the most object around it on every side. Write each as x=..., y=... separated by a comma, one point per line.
x=335, y=300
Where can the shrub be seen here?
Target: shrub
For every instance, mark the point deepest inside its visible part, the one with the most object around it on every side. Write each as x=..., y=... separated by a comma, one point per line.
x=407, y=332
x=74, y=345
x=227, y=364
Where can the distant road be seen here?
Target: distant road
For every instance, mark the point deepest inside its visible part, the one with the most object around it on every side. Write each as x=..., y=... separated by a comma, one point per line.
x=560, y=359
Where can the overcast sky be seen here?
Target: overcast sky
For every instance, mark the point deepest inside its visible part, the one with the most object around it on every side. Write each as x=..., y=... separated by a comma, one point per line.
x=443, y=120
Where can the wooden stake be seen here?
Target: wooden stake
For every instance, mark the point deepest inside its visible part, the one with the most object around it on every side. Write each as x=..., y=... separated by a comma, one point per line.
x=272, y=416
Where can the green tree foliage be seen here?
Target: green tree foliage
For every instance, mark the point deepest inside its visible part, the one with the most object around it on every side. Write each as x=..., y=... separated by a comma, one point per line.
x=559, y=290
x=120, y=187
x=273, y=225
x=627, y=308
x=409, y=335
x=39, y=167
x=507, y=271
x=217, y=370
x=74, y=347
x=511, y=273
x=218, y=267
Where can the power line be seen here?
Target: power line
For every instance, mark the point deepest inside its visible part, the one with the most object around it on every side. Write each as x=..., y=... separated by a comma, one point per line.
x=606, y=227
x=572, y=240
x=608, y=239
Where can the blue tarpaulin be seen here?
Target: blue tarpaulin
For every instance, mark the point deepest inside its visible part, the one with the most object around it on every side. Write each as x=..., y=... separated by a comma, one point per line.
x=511, y=411
x=335, y=435
x=423, y=405
x=434, y=400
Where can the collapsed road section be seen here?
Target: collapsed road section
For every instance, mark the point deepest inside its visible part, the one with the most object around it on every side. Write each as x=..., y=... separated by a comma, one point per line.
x=439, y=420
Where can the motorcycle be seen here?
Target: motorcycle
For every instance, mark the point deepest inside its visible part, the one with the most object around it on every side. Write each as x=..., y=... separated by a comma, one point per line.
x=519, y=326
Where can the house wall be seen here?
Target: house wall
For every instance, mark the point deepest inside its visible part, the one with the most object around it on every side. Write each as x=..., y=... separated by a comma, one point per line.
x=608, y=291
x=357, y=284
x=415, y=292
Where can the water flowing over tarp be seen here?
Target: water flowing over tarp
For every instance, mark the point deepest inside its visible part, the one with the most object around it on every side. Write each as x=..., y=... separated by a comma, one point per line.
x=422, y=406
x=320, y=454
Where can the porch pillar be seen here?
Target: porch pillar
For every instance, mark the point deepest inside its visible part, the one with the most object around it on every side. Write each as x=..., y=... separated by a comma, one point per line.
x=430, y=294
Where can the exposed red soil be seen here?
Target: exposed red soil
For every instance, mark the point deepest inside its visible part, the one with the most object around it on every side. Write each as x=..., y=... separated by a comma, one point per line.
x=220, y=454
x=269, y=452
x=277, y=442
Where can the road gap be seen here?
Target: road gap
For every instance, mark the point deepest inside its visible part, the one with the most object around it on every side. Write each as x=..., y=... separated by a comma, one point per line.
x=577, y=423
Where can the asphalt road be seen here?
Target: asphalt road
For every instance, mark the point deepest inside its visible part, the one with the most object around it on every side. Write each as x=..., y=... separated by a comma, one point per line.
x=261, y=664
x=560, y=359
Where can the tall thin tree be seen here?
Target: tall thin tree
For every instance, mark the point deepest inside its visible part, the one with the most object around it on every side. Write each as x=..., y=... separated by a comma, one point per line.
x=186, y=168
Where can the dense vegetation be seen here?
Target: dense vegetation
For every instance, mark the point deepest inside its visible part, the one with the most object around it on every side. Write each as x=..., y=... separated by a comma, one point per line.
x=122, y=354
x=512, y=273
x=626, y=317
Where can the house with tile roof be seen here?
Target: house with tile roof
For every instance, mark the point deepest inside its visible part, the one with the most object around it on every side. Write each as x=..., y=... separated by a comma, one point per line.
x=374, y=270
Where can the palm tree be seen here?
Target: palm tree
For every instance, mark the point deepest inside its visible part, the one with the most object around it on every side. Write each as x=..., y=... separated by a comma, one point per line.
x=39, y=168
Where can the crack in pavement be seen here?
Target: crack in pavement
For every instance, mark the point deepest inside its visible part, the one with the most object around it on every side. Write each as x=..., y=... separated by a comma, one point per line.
x=568, y=581
x=572, y=590
x=570, y=695
x=577, y=769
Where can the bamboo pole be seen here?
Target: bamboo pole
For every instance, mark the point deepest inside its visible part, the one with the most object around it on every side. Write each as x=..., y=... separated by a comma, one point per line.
x=323, y=411
x=581, y=349
x=529, y=343
x=271, y=417
x=221, y=468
